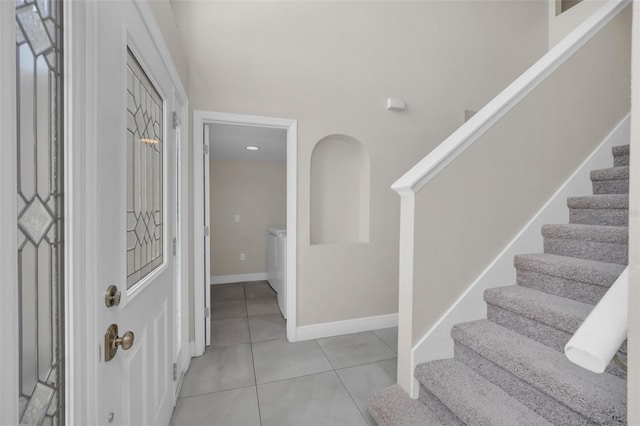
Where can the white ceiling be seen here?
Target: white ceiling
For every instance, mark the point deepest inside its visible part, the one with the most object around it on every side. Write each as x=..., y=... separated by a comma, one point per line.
x=228, y=142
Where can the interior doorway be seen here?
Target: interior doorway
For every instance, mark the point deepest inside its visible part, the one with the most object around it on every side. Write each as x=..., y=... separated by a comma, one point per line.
x=203, y=122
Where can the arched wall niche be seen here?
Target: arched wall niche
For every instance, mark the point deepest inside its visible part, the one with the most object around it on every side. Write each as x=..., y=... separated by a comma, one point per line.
x=340, y=188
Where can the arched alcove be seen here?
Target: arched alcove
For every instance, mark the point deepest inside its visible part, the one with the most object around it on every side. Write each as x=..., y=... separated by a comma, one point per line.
x=340, y=187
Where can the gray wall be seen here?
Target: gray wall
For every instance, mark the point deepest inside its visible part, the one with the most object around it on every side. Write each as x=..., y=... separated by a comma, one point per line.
x=331, y=66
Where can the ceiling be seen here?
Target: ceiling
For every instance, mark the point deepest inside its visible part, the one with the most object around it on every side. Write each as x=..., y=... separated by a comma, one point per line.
x=228, y=142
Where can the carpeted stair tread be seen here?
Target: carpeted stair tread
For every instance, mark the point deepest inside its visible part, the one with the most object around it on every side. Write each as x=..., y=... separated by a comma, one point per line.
x=620, y=150
x=614, y=180
x=595, y=242
x=611, y=173
x=393, y=407
x=599, y=201
x=601, y=398
x=473, y=399
x=601, y=274
x=601, y=209
x=620, y=155
x=596, y=233
x=558, y=312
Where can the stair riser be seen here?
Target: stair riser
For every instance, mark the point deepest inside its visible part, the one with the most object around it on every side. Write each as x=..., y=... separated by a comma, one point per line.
x=592, y=250
x=617, y=186
x=576, y=290
x=543, y=404
x=620, y=160
x=543, y=333
x=438, y=408
x=609, y=217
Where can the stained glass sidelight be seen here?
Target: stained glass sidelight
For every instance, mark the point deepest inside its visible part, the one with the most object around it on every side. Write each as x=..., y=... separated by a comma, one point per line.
x=40, y=215
x=144, y=173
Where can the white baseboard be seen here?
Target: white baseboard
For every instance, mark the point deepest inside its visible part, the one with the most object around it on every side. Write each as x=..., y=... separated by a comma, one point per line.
x=238, y=278
x=337, y=328
x=437, y=342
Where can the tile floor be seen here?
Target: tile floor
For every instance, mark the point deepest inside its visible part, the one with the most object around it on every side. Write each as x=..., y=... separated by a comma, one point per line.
x=251, y=375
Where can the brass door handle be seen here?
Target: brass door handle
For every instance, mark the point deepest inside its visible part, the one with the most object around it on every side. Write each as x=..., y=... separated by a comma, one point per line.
x=112, y=341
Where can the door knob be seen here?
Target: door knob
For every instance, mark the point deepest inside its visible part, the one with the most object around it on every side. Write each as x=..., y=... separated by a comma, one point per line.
x=112, y=296
x=112, y=341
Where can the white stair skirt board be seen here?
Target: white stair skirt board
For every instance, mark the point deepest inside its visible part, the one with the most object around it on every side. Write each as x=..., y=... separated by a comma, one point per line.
x=437, y=342
x=238, y=278
x=338, y=328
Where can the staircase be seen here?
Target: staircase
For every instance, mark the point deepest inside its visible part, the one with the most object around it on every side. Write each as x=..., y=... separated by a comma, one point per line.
x=510, y=369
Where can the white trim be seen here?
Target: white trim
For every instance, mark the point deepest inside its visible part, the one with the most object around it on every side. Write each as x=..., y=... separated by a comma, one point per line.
x=338, y=328
x=437, y=342
x=405, y=295
x=200, y=118
x=80, y=212
x=9, y=357
x=427, y=168
x=238, y=278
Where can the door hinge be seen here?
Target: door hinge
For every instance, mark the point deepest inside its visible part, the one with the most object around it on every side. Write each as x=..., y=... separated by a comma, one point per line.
x=206, y=231
x=175, y=246
x=175, y=371
x=205, y=149
x=176, y=121
x=207, y=312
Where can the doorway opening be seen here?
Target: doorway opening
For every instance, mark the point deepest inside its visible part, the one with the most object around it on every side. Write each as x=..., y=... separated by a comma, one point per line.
x=276, y=140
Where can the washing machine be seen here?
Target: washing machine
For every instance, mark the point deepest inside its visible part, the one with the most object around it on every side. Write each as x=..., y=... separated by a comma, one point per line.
x=281, y=272
x=272, y=256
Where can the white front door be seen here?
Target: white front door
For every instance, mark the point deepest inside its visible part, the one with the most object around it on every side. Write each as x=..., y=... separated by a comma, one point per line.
x=136, y=216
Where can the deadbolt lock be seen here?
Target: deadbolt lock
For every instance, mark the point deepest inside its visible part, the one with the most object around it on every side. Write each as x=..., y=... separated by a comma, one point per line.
x=112, y=296
x=112, y=341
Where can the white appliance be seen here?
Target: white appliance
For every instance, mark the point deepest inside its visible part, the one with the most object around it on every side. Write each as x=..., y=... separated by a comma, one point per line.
x=281, y=272
x=272, y=257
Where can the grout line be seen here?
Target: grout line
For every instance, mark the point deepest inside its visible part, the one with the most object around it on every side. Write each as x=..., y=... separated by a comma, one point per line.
x=376, y=334
x=324, y=353
x=218, y=391
x=351, y=396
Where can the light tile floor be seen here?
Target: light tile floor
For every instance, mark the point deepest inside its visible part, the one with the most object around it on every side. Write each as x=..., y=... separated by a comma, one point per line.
x=251, y=375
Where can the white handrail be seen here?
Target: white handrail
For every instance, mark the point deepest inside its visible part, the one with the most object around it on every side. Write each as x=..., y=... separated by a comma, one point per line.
x=599, y=337
x=466, y=134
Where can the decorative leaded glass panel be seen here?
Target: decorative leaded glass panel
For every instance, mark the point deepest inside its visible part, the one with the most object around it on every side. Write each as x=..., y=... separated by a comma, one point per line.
x=144, y=173
x=39, y=215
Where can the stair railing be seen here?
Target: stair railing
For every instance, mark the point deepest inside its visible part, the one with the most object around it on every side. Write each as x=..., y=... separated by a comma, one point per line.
x=452, y=147
x=600, y=336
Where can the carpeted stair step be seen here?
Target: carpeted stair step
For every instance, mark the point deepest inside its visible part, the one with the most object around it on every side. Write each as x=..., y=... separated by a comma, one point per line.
x=604, y=209
x=393, y=407
x=614, y=180
x=461, y=396
x=620, y=155
x=541, y=378
x=578, y=279
x=594, y=242
x=546, y=318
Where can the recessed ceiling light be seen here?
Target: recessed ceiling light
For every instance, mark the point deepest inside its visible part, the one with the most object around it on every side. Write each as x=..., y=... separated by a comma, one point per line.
x=251, y=148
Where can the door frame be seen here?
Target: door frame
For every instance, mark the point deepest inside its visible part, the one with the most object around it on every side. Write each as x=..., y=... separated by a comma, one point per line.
x=8, y=229
x=80, y=110
x=200, y=118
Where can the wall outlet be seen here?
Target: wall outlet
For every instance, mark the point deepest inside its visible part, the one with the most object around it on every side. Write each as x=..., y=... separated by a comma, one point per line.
x=236, y=218
x=243, y=257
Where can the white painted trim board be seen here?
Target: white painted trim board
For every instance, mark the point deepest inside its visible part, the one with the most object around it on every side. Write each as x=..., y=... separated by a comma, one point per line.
x=338, y=328
x=238, y=278
x=437, y=342
x=9, y=357
x=200, y=118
